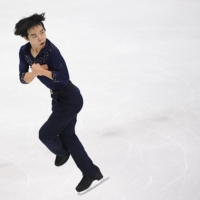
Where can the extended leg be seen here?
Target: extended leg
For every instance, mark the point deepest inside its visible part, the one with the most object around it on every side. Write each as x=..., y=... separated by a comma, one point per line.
x=77, y=151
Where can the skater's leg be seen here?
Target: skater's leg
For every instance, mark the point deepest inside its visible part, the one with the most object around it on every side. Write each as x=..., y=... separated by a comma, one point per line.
x=77, y=151
x=49, y=133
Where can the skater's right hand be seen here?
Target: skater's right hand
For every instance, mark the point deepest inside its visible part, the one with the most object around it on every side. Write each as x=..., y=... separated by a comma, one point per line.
x=37, y=69
x=44, y=66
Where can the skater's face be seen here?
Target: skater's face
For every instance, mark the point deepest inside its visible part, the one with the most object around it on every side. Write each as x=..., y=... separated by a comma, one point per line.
x=37, y=37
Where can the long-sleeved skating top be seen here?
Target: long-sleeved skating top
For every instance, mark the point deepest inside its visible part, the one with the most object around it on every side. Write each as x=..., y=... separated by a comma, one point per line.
x=49, y=55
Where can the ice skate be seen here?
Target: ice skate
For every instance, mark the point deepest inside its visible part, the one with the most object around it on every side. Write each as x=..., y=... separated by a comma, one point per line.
x=61, y=160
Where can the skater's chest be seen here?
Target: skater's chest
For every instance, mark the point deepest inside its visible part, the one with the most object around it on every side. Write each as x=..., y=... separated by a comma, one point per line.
x=41, y=59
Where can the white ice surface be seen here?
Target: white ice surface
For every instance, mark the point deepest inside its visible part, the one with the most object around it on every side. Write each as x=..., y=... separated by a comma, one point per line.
x=137, y=65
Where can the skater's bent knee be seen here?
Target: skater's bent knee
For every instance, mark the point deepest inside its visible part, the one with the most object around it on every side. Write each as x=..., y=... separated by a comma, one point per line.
x=42, y=135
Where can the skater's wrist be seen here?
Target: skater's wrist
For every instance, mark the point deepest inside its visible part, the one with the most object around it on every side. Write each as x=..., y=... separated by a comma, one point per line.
x=29, y=76
x=46, y=73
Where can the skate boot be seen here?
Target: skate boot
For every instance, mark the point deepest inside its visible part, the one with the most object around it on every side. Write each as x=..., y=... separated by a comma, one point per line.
x=61, y=160
x=86, y=181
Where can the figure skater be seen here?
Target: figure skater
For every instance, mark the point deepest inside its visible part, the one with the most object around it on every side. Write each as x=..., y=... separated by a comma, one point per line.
x=47, y=64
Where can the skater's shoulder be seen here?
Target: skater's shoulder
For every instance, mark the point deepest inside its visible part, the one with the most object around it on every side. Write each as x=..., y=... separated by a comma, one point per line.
x=52, y=49
x=51, y=46
x=25, y=47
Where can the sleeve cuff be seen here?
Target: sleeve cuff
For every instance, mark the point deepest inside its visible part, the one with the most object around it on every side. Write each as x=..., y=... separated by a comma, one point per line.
x=22, y=78
x=54, y=77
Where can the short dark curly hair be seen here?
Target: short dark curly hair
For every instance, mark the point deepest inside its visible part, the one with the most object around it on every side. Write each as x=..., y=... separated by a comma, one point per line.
x=22, y=27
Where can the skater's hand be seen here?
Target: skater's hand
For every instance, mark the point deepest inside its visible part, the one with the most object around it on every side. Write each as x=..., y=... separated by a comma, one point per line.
x=44, y=66
x=37, y=69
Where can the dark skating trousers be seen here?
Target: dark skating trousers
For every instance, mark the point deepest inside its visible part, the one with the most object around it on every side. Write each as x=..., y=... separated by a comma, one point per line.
x=58, y=132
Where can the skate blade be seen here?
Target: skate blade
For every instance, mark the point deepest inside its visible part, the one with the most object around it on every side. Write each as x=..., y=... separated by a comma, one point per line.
x=91, y=188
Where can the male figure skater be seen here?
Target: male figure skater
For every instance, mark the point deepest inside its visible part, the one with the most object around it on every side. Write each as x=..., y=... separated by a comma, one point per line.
x=47, y=64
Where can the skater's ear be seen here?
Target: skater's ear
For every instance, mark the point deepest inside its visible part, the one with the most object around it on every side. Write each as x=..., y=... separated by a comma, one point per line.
x=26, y=38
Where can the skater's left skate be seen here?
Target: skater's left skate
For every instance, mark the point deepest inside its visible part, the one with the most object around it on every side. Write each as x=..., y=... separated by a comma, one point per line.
x=86, y=181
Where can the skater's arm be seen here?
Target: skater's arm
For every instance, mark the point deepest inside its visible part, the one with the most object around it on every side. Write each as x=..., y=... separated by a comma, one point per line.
x=29, y=76
x=24, y=74
x=23, y=67
x=59, y=68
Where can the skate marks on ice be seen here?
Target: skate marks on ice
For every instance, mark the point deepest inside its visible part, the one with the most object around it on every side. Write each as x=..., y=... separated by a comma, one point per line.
x=96, y=185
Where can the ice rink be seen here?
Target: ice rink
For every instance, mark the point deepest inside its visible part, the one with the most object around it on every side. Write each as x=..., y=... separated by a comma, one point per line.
x=137, y=64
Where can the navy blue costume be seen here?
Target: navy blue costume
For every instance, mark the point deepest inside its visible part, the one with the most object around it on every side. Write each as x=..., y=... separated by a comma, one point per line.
x=58, y=132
